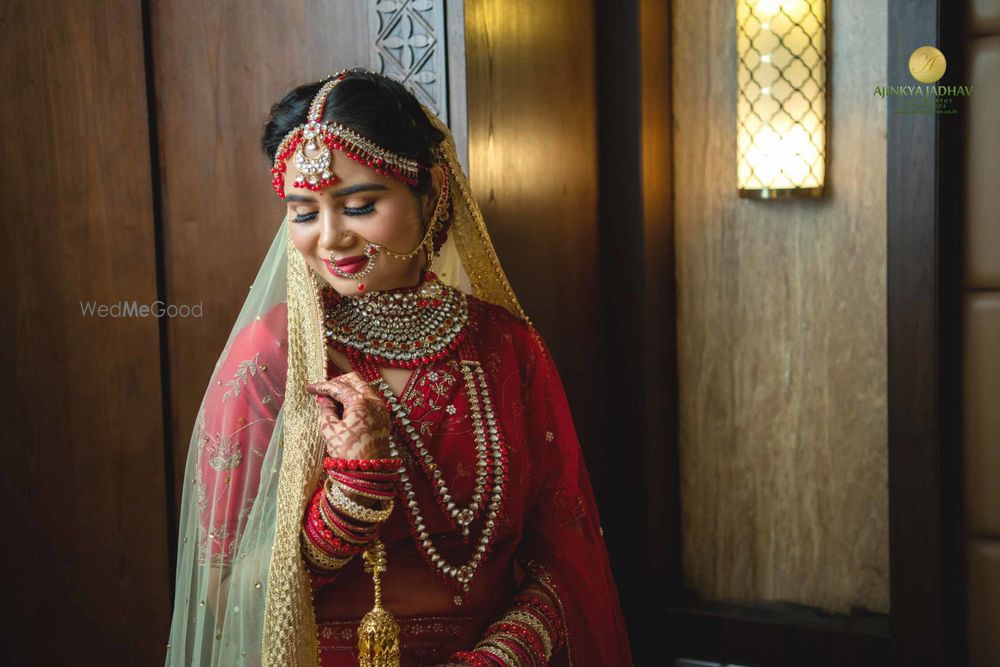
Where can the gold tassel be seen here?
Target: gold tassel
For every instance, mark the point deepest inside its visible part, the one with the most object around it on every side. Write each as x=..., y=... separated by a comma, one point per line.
x=378, y=634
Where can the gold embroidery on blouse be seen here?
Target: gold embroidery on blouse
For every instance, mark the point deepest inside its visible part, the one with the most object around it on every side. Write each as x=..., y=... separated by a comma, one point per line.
x=439, y=382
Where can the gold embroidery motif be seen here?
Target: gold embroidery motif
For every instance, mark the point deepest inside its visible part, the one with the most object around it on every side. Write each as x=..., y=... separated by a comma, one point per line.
x=246, y=367
x=439, y=384
x=342, y=635
x=227, y=455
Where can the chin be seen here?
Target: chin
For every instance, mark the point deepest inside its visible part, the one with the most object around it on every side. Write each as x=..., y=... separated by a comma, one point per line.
x=349, y=287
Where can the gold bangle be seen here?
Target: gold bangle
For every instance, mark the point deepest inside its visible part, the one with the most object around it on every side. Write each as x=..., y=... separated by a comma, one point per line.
x=320, y=559
x=337, y=530
x=502, y=652
x=535, y=625
x=353, y=509
x=517, y=640
x=363, y=494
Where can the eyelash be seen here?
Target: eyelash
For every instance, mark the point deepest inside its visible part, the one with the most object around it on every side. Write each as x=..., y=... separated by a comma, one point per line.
x=361, y=210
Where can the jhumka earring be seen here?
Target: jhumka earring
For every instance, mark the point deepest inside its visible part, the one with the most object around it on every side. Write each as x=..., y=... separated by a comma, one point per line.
x=437, y=221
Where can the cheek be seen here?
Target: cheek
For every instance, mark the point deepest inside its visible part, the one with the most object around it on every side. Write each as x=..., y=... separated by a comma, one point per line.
x=395, y=226
x=301, y=238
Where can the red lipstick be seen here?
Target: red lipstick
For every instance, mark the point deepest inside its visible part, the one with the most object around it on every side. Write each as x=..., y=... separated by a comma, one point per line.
x=351, y=264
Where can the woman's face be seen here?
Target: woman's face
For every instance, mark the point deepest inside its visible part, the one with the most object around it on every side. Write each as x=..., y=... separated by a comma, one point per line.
x=334, y=225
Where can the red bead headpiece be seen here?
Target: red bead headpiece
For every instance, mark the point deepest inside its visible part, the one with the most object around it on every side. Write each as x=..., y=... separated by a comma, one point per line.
x=311, y=143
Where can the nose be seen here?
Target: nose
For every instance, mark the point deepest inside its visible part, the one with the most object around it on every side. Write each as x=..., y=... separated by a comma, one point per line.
x=332, y=236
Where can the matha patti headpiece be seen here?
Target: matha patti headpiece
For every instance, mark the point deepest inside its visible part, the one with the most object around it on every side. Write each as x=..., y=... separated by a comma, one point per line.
x=311, y=143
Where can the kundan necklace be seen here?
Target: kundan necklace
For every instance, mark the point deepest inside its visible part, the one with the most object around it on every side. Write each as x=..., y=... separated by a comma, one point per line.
x=435, y=315
x=399, y=328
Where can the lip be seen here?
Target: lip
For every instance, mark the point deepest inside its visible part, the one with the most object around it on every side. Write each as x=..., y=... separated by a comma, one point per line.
x=347, y=264
x=353, y=259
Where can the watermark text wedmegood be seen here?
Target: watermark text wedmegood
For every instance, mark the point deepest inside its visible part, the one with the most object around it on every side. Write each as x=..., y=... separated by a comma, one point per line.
x=135, y=309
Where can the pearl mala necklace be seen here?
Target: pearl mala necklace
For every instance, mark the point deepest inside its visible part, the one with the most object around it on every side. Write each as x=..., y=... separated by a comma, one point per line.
x=491, y=465
x=491, y=473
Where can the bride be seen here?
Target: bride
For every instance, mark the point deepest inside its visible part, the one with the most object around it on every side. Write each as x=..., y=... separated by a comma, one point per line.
x=384, y=469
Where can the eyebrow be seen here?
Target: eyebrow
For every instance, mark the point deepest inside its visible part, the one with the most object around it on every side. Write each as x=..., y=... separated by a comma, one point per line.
x=343, y=192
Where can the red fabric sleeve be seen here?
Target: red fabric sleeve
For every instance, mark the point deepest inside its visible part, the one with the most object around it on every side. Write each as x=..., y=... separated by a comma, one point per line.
x=243, y=400
x=563, y=545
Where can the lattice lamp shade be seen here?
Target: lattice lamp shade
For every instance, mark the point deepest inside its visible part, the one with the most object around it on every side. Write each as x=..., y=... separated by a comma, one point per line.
x=781, y=107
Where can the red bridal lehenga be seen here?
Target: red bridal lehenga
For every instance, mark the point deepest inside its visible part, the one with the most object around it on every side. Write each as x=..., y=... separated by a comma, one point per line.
x=248, y=594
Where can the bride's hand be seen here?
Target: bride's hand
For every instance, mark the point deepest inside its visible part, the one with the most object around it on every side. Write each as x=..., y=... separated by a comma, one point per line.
x=353, y=420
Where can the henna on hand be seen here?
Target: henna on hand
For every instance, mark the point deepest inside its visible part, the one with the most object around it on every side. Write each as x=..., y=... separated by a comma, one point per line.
x=360, y=430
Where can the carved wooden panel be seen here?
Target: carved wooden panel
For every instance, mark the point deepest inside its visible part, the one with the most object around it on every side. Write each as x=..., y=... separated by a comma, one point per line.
x=408, y=44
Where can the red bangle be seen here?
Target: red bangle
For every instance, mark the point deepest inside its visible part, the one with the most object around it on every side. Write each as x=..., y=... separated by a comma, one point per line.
x=324, y=540
x=323, y=532
x=354, y=532
x=515, y=648
x=374, y=465
x=553, y=629
x=363, y=483
x=527, y=635
x=475, y=659
x=361, y=488
x=539, y=605
x=347, y=541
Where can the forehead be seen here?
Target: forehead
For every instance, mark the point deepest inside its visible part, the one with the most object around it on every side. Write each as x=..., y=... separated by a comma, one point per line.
x=349, y=171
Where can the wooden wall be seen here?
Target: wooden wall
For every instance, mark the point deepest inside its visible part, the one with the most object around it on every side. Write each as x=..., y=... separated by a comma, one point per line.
x=981, y=339
x=132, y=171
x=86, y=553
x=213, y=90
x=533, y=167
x=782, y=335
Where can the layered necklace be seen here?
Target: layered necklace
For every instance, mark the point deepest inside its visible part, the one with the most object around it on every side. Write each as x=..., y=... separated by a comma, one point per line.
x=402, y=328
x=407, y=329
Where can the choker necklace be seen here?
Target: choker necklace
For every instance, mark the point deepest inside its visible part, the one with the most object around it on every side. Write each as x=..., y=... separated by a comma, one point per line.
x=401, y=328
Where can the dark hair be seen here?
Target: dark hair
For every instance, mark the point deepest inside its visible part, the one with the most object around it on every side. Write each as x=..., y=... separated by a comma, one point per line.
x=372, y=105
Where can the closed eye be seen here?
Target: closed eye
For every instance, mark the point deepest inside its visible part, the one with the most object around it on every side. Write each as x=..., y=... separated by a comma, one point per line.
x=361, y=210
x=305, y=217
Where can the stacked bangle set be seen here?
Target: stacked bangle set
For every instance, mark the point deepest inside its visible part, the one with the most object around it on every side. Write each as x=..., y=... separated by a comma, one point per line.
x=526, y=636
x=337, y=527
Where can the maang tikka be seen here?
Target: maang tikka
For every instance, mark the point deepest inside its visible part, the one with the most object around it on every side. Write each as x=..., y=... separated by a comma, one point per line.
x=312, y=141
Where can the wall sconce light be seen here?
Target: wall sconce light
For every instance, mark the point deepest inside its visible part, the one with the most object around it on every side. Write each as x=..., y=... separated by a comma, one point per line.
x=781, y=107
